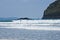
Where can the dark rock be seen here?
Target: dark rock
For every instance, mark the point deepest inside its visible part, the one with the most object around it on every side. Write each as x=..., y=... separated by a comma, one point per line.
x=24, y=18
x=53, y=11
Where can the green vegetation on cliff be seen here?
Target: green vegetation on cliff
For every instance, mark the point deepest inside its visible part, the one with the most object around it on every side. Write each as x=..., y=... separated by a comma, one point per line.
x=53, y=11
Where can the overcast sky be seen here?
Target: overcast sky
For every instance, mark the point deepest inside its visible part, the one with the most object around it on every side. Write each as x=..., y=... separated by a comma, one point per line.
x=23, y=8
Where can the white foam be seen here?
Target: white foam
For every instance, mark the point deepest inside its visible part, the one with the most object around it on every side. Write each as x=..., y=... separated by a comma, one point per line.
x=35, y=28
x=32, y=24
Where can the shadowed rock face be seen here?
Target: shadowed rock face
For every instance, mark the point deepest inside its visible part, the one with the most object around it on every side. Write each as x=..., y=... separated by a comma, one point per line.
x=53, y=11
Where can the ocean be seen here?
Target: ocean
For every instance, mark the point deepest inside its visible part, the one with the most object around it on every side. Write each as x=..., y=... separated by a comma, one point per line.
x=27, y=34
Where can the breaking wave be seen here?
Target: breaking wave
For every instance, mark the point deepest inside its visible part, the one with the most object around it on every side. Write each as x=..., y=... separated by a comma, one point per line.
x=32, y=24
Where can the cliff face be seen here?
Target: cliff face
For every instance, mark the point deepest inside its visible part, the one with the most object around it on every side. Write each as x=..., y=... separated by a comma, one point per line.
x=53, y=11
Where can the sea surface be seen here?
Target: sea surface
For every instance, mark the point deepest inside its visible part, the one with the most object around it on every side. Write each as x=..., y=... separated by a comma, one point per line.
x=26, y=34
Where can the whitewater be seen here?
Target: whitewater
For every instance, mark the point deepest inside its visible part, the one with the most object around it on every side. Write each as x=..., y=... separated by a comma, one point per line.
x=32, y=24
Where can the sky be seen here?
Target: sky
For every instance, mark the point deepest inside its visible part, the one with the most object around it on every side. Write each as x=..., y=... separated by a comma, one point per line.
x=23, y=8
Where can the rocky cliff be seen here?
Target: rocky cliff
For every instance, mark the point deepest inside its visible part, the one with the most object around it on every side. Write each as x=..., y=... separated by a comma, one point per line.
x=53, y=11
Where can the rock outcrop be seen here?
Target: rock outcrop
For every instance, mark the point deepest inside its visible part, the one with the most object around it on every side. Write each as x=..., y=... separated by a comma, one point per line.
x=53, y=11
x=24, y=18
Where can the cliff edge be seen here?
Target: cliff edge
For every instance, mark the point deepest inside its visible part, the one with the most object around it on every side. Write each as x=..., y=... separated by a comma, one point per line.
x=53, y=11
